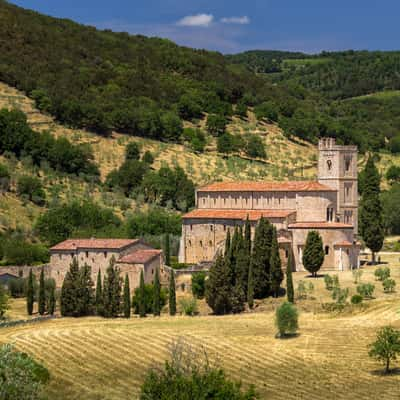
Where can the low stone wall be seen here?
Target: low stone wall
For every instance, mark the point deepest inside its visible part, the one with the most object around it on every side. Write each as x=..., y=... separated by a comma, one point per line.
x=23, y=270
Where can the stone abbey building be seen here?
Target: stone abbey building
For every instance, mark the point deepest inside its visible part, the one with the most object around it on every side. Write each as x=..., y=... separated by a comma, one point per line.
x=328, y=205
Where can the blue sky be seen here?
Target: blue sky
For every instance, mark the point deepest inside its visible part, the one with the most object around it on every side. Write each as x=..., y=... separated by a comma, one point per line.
x=236, y=25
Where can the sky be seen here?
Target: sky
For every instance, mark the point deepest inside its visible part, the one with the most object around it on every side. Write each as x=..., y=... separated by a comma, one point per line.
x=232, y=26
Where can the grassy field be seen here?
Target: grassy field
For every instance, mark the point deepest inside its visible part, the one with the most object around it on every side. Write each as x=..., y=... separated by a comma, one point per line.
x=92, y=358
x=384, y=95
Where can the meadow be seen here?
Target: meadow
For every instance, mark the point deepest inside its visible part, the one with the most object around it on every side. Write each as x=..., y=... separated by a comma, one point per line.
x=94, y=358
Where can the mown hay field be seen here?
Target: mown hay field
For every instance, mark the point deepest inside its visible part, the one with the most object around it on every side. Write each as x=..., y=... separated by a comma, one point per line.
x=93, y=358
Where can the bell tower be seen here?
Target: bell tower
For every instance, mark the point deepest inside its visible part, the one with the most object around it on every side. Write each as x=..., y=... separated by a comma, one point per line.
x=337, y=168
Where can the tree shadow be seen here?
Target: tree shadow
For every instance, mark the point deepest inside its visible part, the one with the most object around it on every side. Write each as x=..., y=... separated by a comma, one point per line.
x=381, y=372
x=287, y=336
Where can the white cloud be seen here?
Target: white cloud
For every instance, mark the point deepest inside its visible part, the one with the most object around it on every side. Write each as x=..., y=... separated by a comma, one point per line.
x=236, y=20
x=203, y=20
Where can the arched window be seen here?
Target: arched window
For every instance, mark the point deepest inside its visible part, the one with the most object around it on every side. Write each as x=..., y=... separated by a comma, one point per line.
x=329, y=164
x=326, y=250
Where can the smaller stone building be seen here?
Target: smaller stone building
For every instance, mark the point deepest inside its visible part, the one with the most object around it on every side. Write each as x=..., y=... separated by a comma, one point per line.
x=131, y=256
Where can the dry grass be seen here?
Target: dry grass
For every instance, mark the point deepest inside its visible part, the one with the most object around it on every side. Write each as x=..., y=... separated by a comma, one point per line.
x=93, y=358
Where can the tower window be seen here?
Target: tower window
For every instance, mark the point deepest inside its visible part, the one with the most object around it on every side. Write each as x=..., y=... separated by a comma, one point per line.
x=329, y=164
x=201, y=243
x=210, y=243
x=189, y=242
x=224, y=227
x=347, y=163
x=211, y=228
x=329, y=214
x=326, y=250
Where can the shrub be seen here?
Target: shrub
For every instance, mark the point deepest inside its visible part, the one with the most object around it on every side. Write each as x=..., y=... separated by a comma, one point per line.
x=382, y=273
x=286, y=319
x=20, y=252
x=32, y=188
x=389, y=285
x=148, y=157
x=148, y=298
x=4, y=304
x=328, y=282
x=366, y=290
x=16, y=287
x=357, y=274
x=189, y=306
x=199, y=284
x=21, y=377
x=188, y=374
x=216, y=124
x=356, y=299
x=340, y=295
x=4, y=178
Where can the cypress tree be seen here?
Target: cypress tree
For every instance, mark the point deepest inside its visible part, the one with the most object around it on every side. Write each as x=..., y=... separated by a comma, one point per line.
x=99, y=295
x=371, y=222
x=30, y=295
x=112, y=291
x=218, y=287
x=172, y=294
x=289, y=278
x=127, y=298
x=247, y=236
x=276, y=273
x=313, y=255
x=227, y=243
x=250, y=287
x=69, y=291
x=242, y=266
x=85, y=300
x=167, y=250
x=52, y=300
x=142, y=300
x=261, y=258
x=157, y=294
x=42, y=293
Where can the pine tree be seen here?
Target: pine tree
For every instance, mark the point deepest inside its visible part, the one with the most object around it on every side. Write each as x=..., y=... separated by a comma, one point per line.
x=276, y=273
x=261, y=258
x=112, y=291
x=127, y=298
x=172, y=294
x=218, y=287
x=250, y=287
x=167, y=250
x=52, y=300
x=99, y=295
x=30, y=294
x=242, y=266
x=42, y=294
x=313, y=255
x=289, y=278
x=157, y=294
x=69, y=291
x=85, y=300
x=371, y=222
x=247, y=237
x=142, y=300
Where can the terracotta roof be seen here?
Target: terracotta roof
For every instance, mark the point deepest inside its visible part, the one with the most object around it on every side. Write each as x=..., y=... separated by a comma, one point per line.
x=140, y=256
x=320, y=225
x=345, y=243
x=74, y=244
x=291, y=186
x=254, y=215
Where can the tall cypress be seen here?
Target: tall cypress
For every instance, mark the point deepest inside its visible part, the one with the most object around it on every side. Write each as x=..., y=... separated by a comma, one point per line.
x=276, y=274
x=242, y=265
x=172, y=293
x=85, y=301
x=250, y=287
x=313, y=254
x=112, y=291
x=157, y=294
x=167, y=250
x=227, y=243
x=42, y=293
x=52, y=300
x=30, y=295
x=69, y=291
x=247, y=236
x=99, y=295
x=289, y=277
x=261, y=258
x=371, y=222
x=142, y=294
x=127, y=298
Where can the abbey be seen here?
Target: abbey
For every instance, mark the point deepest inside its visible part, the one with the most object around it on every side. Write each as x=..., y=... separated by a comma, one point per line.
x=328, y=205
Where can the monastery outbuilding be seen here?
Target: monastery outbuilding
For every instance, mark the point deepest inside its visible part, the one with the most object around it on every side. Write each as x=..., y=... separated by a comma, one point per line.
x=328, y=205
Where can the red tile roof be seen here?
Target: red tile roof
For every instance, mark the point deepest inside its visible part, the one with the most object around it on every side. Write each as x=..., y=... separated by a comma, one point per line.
x=140, y=256
x=291, y=186
x=320, y=225
x=345, y=243
x=254, y=215
x=113, y=244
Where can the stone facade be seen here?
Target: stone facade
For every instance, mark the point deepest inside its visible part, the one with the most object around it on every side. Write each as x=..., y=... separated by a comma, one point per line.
x=131, y=257
x=328, y=205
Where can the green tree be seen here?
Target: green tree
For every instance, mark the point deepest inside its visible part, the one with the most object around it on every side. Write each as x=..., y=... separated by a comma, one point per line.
x=85, y=292
x=52, y=298
x=112, y=291
x=371, y=222
x=157, y=294
x=313, y=255
x=42, y=294
x=393, y=174
x=4, y=179
x=286, y=319
x=127, y=298
x=30, y=294
x=69, y=291
x=142, y=299
x=199, y=284
x=132, y=151
x=216, y=124
x=289, y=277
x=386, y=346
x=261, y=258
x=167, y=250
x=4, y=305
x=276, y=273
x=99, y=295
x=250, y=287
x=172, y=294
x=32, y=188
